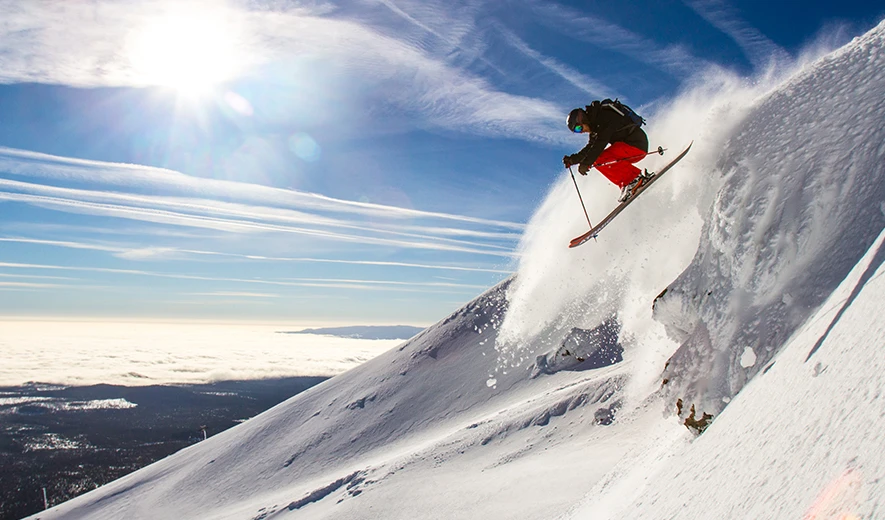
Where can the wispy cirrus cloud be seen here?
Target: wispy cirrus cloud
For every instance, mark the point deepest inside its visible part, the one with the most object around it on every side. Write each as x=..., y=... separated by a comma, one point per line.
x=388, y=264
x=236, y=294
x=34, y=276
x=159, y=180
x=234, y=225
x=258, y=209
x=92, y=45
x=675, y=60
x=146, y=253
x=334, y=283
x=27, y=285
x=571, y=75
x=454, y=31
x=451, y=24
x=759, y=49
x=63, y=243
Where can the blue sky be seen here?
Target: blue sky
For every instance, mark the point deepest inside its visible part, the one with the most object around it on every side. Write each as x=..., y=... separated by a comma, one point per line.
x=322, y=162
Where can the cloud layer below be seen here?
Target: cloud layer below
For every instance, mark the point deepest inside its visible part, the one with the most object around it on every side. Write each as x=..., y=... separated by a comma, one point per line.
x=136, y=354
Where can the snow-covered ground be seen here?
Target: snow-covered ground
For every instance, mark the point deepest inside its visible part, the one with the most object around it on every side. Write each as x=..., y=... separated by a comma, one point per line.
x=802, y=440
x=768, y=239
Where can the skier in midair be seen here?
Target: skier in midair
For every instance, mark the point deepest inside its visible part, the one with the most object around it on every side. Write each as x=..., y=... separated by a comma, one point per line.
x=610, y=123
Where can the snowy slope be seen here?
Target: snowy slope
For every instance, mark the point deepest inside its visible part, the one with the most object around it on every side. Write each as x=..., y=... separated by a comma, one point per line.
x=396, y=436
x=802, y=200
x=802, y=440
x=484, y=414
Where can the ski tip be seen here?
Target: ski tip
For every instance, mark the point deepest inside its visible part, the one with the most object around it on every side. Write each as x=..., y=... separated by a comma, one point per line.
x=575, y=242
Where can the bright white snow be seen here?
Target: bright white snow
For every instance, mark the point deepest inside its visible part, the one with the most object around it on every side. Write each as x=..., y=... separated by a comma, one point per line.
x=768, y=238
x=802, y=440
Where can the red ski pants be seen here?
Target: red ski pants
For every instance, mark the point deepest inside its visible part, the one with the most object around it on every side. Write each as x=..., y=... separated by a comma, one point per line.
x=622, y=172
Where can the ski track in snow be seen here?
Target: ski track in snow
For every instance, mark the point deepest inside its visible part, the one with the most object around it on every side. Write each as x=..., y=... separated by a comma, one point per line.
x=768, y=238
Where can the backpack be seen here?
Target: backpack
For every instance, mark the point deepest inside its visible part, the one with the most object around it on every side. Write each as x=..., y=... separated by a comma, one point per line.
x=624, y=110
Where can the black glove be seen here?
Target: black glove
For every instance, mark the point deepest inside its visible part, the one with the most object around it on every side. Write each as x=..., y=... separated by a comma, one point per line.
x=566, y=160
x=582, y=169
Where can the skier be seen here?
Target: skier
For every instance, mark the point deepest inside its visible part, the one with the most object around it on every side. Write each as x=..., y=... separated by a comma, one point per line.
x=610, y=122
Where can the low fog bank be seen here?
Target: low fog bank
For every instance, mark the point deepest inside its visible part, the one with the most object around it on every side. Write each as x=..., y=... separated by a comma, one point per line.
x=140, y=354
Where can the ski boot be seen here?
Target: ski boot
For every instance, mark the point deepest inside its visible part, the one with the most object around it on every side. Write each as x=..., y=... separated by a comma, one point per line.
x=629, y=190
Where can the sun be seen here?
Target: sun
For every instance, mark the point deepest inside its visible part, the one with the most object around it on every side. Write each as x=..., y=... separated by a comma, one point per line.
x=189, y=49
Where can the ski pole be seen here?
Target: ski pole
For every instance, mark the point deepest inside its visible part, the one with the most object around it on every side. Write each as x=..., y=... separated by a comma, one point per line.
x=580, y=197
x=660, y=150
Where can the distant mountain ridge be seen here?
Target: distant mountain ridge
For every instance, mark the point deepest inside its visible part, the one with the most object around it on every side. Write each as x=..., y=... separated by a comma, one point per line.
x=364, y=332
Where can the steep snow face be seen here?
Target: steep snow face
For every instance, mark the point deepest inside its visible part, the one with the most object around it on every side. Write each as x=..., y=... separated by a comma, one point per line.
x=802, y=440
x=802, y=200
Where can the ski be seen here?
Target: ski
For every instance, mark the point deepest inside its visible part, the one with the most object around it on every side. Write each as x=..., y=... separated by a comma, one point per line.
x=594, y=232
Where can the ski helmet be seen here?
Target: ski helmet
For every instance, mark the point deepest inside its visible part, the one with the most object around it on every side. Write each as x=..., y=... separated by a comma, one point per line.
x=572, y=120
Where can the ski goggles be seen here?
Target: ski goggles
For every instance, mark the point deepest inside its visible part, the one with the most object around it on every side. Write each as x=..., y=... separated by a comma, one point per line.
x=578, y=129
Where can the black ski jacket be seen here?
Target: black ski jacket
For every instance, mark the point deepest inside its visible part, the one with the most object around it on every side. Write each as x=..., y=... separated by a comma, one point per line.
x=607, y=127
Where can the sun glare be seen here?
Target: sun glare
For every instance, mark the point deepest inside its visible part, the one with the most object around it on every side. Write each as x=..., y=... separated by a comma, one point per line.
x=190, y=50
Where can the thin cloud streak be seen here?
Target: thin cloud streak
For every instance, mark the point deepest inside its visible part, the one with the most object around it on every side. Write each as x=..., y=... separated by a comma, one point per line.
x=387, y=282
x=35, y=164
x=243, y=226
x=305, y=282
x=24, y=163
x=29, y=285
x=35, y=277
x=235, y=294
x=394, y=8
x=216, y=301
x=386, y=264
x=63, y=243
x=672, y=59
x=101, y=202
x=455, y=28
x=572, y=76
x=419, y=82
x=135, y=253
x=760, y=50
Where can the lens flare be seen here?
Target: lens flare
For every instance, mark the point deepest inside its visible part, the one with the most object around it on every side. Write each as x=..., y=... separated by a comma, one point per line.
x=304, y=147
x=238, y=103
x=839, y=495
